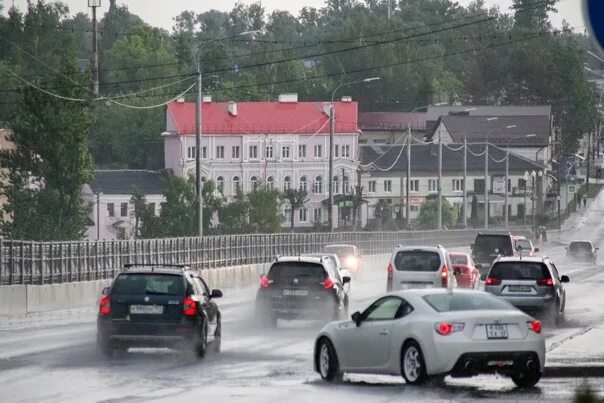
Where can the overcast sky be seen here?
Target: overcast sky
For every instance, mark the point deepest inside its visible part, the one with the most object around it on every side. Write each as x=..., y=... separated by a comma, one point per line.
x=160, y=12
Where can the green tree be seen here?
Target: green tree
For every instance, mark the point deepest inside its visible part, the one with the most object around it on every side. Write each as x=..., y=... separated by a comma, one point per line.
x=51, y=163
x=428, y=214
x=265, y=217
x=296, y=198
x=234, y=217
x=147, y=225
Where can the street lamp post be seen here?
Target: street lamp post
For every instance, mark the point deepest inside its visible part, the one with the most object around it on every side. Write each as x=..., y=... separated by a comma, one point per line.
x=486, y=176
x=198, y=127
x=95, y=47
x=332, y=123
x=526, y=177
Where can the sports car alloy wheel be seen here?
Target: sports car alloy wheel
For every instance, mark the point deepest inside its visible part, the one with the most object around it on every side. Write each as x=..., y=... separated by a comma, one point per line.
x=324, y=360
x=413, y=367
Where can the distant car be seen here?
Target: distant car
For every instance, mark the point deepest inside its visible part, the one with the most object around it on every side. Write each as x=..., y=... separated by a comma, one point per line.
x=466, y=274
x=419, y=267
x=159, y=306
x=335, y=260
x=582, y=250
x=432, y=333
x=524, y=246
x=301, y=287
x=532, y=284
x=488, y=246
x=350, y=256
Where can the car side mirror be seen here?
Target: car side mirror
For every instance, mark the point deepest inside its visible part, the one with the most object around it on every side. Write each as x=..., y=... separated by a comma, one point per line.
x=105, y=291
x=536, y=250
x=345, y=279
x=216, y=294
x=564, y=279
x=519, y=248
x=483, y=276
x=356, y=318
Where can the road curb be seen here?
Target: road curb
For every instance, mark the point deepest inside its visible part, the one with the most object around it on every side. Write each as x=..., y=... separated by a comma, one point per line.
x=583, y=371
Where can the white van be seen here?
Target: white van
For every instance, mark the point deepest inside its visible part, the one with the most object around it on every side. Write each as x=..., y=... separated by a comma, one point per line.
x=420, y=267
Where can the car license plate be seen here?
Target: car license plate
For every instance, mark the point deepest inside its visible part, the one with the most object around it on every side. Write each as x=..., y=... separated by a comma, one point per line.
x=520, y=288
x=147, y=309
x=497, y=331
x=300, y=293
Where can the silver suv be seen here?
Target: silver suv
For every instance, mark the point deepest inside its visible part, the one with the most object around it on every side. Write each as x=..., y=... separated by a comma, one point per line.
x=530, y=283
x=420, y=267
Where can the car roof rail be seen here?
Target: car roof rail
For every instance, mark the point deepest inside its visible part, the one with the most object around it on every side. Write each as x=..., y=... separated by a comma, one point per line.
x=183, y=267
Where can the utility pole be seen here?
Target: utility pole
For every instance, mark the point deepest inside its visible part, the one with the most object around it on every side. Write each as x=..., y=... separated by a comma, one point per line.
x=407, y=208
x=198, y=182
x=98, y=215
x=95, y=47
x=465, y=181
x=486, y=186
x=439, y=214
x=331, y=130
x=344, y=195
x=588, y=158
x=507, y=173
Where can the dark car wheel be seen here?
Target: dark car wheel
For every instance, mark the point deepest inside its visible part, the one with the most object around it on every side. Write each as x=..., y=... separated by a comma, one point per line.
x=413, y=366
x=527, y=379
x=200, y=342
x=326, y=361
x=104, y=346
x=217, y=344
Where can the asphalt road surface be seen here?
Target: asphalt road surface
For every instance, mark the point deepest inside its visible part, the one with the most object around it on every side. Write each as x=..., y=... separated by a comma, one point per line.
x=56, y=360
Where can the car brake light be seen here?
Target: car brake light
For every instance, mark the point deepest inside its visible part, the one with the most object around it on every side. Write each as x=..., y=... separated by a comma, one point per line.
x=545, y=282
x=389, y=279
x=328, y=284
x=189, y=307
x=447, y=328
x=535, y=326
x=444, y=276
x=390, y=269
x=492, y=281
x=105, y=305
x=265, y=282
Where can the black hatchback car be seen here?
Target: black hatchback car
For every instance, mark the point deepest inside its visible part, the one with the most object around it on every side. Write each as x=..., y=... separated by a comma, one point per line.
x=302, y=287
x=488, y=246
x=158, y=306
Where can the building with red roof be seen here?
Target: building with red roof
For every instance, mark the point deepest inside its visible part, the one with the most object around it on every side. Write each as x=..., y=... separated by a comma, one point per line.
x=283, y=144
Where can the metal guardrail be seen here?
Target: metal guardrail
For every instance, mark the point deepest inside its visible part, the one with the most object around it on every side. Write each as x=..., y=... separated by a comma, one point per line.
x=26, y=262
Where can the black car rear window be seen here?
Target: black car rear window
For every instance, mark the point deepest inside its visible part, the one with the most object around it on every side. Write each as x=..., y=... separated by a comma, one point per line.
x=286, y=271
x=488, y=244
x=417, y=260
x=580, y=247
x=152, y=283
x=450, y=302
x=520, y=271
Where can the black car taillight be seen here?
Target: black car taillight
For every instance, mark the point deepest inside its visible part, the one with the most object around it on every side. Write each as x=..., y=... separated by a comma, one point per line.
x=189, y=307
x=105, y=305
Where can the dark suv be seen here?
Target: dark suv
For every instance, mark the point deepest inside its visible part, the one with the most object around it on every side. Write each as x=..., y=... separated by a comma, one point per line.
x=158, y=306
x=487, y=247
x=583, y=251
x=302, y=287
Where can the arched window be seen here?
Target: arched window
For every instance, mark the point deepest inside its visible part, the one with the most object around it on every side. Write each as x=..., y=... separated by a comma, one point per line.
x=336, y=184
x=270, y=183
x=220, y=184
x=254, y=182
x=287, y=183
x=236, y=184
x=318, y=186
x=303, y=183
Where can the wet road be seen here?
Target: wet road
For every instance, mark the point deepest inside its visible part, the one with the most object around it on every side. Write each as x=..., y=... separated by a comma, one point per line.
x=58, y=362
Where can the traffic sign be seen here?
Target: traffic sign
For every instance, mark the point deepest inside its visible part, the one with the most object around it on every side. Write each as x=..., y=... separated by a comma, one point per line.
x=593, y=11
x=571, y=189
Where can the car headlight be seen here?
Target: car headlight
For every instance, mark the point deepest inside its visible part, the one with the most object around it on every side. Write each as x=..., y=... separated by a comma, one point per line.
x=351, y=261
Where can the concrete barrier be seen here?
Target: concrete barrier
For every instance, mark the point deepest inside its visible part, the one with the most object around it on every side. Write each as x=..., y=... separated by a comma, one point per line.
x=51, y=297
x=13, y=300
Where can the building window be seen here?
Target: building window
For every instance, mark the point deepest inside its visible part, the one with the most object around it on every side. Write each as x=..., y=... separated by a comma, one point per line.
x=287, y=183
x=303, y=214
x=269, y=152
x=479, y=186
x=372, y=186
x=345, y=151
x=345, y=185
x=318, y=151
x=413, y=185
x=253, y=182
x=254, y=152
x=220, y=184
x=236, y=184
x=285, y=152
x=204, y=152
x=303, y=184
x=317, y=215
x=219, y=152
x=235, y=152
x=124, y=210
x=318, y=187
x=336, y=151
x=522, y=184
x=388, y=186
x=432, y=185
x=457, y=185
x=287, y=214
x=152, y=207
x=111, y=209
x=336, y=184
x=302, y=151
x=270, y=183
x=191, y=152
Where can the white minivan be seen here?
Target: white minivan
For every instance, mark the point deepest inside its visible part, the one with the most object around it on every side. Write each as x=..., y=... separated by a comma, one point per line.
x=420, y=267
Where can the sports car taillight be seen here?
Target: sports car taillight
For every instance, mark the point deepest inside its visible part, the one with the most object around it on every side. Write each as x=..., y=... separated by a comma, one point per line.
x=447, y=328
x=535, y=326
x=444, y=276
x=105, y=305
